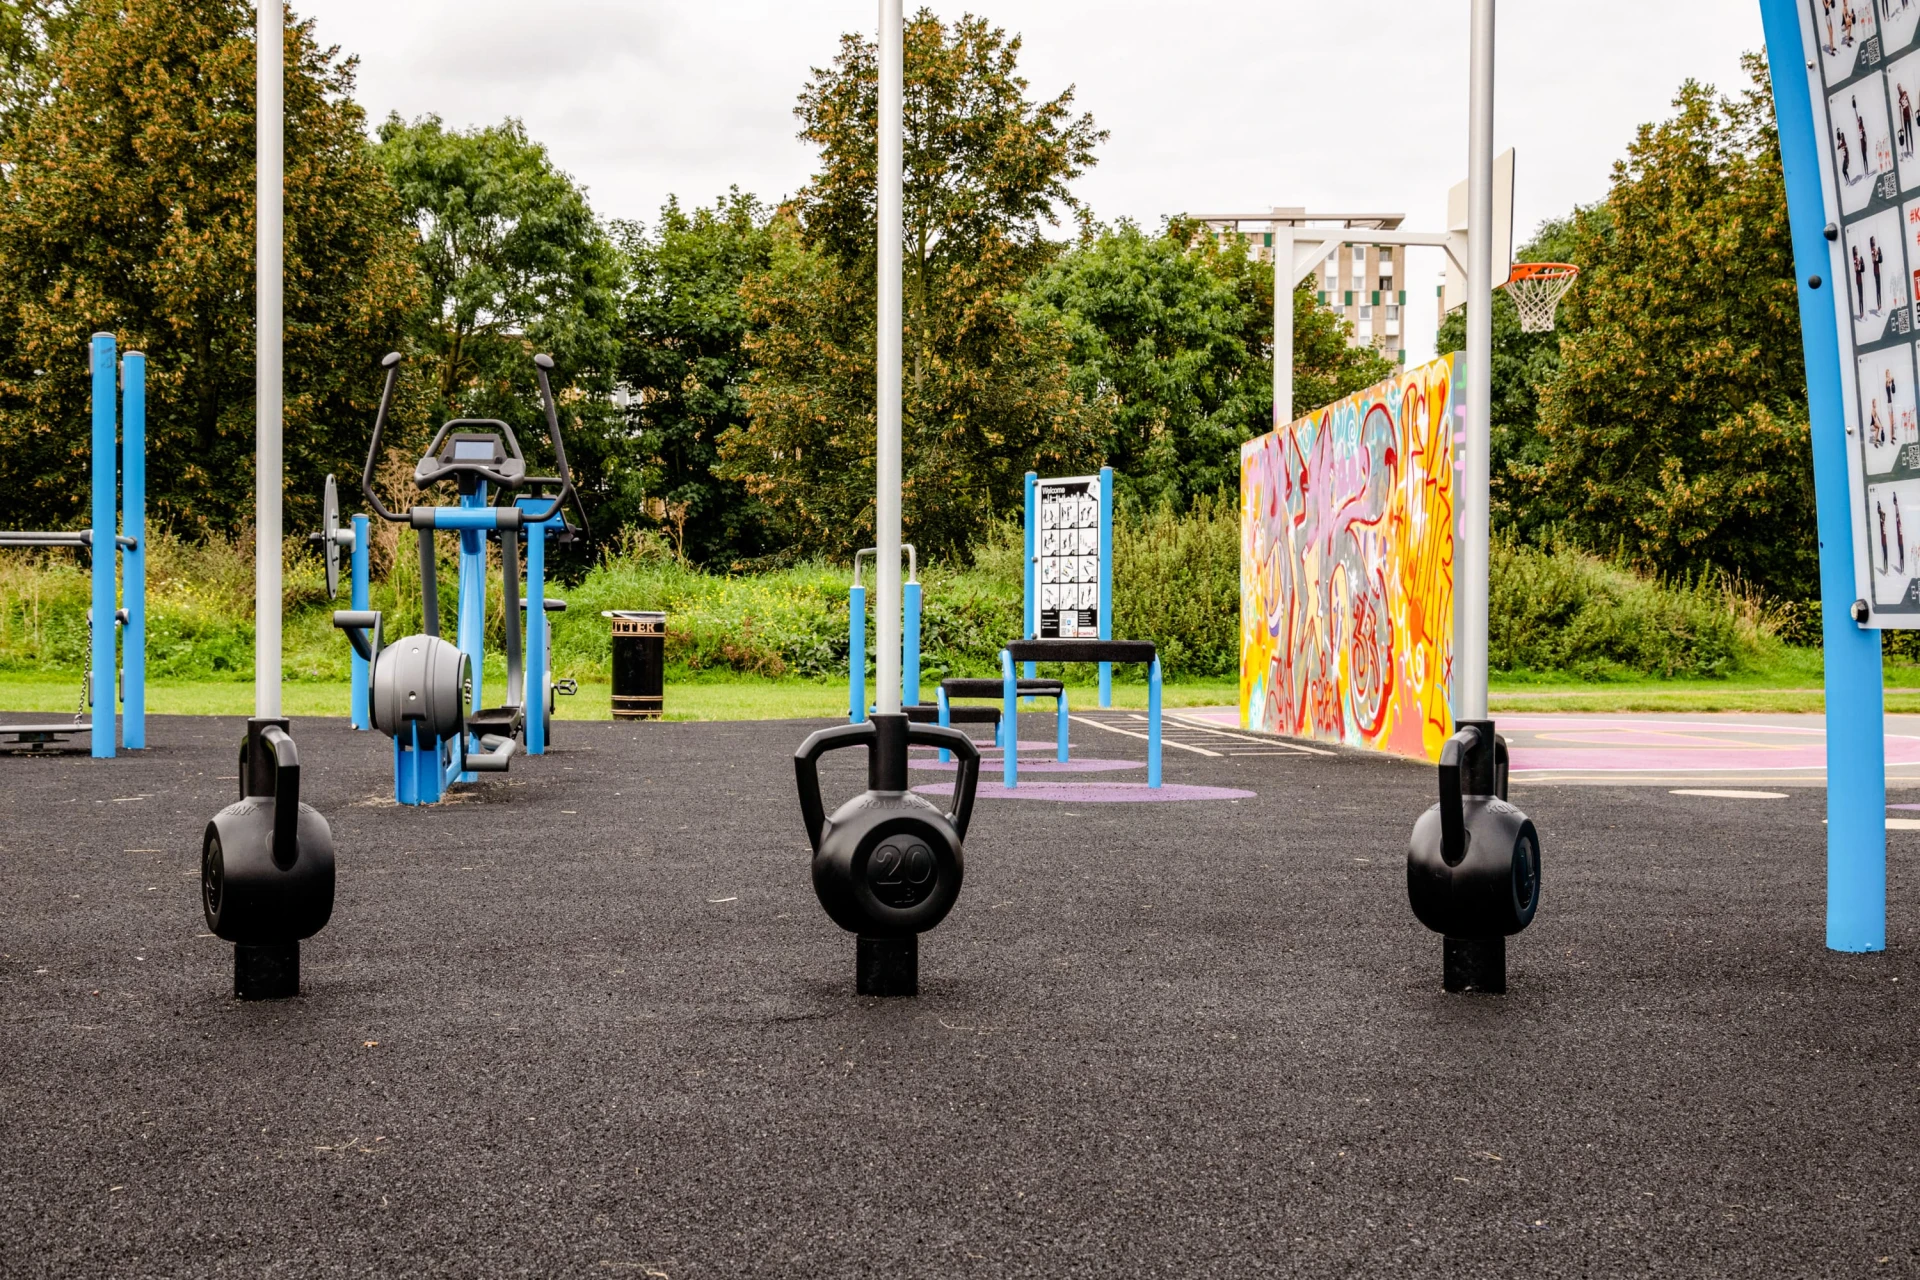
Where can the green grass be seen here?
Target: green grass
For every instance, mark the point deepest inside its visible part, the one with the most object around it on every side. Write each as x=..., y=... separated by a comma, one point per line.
x=705, y=699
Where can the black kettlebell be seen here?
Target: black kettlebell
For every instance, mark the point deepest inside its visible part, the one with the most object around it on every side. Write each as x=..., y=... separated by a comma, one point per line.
x=887, y=865
x=266, y=867
x=1473, y=867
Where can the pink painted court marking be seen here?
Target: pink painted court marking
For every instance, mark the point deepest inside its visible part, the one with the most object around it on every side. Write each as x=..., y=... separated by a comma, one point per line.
x=1095, y=792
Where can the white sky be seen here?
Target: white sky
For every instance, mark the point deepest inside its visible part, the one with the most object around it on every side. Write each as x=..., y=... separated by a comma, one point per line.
x=1326, y=103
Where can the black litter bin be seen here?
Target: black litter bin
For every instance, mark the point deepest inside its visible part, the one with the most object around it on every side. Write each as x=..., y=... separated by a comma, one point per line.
x=639, y=663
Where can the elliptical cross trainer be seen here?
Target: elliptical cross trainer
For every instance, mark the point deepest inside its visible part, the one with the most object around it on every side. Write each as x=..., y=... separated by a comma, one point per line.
x=425, y=694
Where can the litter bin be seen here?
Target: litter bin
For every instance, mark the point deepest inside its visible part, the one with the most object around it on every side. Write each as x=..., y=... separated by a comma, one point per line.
x=639, y=663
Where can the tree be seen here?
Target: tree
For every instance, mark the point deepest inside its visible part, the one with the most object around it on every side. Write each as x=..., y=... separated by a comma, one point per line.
x=1675, y=428
x=126, y=204
x=986, y=392
x=514, y=262
x=683, y=364
x=27, y=27
x=1172, y=336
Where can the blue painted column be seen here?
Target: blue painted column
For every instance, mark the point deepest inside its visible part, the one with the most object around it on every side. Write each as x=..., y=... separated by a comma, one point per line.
x=1032, y=587
x=856, y=654
x=910, y=670
x=105, y=528
x=1856, y=746
x=133, y=515
x=361, y=716
x=1106, y=579
x=535, y=693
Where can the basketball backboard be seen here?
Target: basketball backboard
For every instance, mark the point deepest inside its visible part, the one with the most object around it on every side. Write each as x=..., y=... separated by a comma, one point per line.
x=1456, y=287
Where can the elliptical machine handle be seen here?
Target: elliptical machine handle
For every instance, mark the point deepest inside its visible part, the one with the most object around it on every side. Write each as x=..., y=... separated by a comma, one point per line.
x=806, y=771
x=1453, y=818
x=967, y=781
x=286, y=795
x=391, y=363
x=363, y=630
x=541, y=365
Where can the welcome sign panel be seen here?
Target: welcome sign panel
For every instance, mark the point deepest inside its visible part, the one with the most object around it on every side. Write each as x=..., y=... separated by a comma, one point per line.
x=1347, y=528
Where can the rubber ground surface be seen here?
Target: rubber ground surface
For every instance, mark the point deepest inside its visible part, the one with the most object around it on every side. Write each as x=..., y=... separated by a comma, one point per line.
x=591, y=1021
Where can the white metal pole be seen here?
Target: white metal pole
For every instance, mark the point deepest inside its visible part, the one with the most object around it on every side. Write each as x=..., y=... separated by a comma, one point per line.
x=269, y=141
x=1283, y=283
x=1475, y=502
x=887, y=461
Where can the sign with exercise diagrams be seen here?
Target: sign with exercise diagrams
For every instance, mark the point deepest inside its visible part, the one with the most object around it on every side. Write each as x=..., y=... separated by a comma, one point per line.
x=1863, y=74
x=1067, y=558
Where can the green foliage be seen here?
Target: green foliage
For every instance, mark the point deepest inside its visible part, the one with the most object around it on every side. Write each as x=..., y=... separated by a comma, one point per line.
x=127, y=202
x=27, y=28
x=683, y=363
x=1522, y=364
x=1674, y=431
x=1563, y=610
x=514, y=262
x=1176, y=582
x=1172, y=339
x=985, y=392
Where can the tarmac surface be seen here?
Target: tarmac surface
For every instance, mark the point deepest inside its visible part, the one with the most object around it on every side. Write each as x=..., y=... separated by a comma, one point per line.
x=589, y=1020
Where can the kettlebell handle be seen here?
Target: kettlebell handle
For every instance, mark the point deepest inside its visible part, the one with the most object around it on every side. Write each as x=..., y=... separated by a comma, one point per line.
x=806, y=769
x=967, y=781
x=286, y=789
x=1453, y=818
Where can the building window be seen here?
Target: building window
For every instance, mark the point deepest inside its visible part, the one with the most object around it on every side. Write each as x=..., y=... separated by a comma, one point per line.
x=1366, y=313
x=1393, y=313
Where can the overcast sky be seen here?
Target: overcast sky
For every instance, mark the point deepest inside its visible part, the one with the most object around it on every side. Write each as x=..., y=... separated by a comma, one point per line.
x=1326, y=103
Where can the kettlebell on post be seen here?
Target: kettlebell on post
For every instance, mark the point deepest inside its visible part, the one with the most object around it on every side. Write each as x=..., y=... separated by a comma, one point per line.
x=1473, y=868
x=266, y=867
x=887, y=865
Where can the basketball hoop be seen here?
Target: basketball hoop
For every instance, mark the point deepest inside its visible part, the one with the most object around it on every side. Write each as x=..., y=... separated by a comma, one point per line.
x=1536, y=289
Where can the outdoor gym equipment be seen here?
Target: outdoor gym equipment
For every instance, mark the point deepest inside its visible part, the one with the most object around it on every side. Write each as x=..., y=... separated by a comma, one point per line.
x=1104, y=652
x=266, y=867
x=353, y=539
x=425, y=694
x=117, y=538
x=1069, y=563
x=1473, y=867
x=857, y=707
x=887, y=865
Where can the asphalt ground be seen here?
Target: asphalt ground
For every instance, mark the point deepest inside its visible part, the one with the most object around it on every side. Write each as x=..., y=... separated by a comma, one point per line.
x=590, y=1021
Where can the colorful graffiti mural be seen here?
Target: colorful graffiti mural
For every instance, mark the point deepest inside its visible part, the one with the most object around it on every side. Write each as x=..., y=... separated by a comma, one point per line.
x=1346, y=567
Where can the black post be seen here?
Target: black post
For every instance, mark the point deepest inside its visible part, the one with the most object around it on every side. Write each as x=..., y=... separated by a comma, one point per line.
x=888, y=966
x=266, y=972
x=1476, y=964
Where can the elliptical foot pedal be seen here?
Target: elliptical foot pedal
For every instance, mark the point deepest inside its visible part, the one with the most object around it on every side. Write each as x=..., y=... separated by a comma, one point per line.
x=887, y=966
x=269, y=971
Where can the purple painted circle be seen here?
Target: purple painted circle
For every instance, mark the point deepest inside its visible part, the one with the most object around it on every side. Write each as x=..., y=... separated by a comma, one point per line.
x=1094, y=792
x=987, y=744
x=1048, y=765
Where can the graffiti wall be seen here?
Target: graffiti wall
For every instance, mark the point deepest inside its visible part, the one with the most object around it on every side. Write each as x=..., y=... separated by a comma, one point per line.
x=1346, y=567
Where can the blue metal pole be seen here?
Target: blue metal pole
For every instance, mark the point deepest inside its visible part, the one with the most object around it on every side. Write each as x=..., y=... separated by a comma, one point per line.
x=1106, y=579
x=105, y=526
x=856, y=654
x=1032, y=588
x=471, y=629
x=910, y=671
x=362, y=717
x=1009, y=723
x=133, y=515
x=1153, y=723
x=1856, y=745
x=535, y=691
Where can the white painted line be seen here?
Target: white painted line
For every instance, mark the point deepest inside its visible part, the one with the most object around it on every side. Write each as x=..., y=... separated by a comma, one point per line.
x=1241, y=737
x=1164, y=740
x=1903, y=824
x=1730, y=795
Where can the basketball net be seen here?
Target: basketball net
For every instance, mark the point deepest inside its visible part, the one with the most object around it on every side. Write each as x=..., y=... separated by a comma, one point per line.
x=1536, y=289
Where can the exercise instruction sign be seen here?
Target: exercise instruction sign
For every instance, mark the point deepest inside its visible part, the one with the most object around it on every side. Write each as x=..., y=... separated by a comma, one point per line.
x=1067, y=555
x=1863, y=73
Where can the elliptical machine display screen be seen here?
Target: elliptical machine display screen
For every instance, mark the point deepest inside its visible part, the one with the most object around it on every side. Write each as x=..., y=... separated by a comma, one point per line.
x=485, y=449
x=1067, y=555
